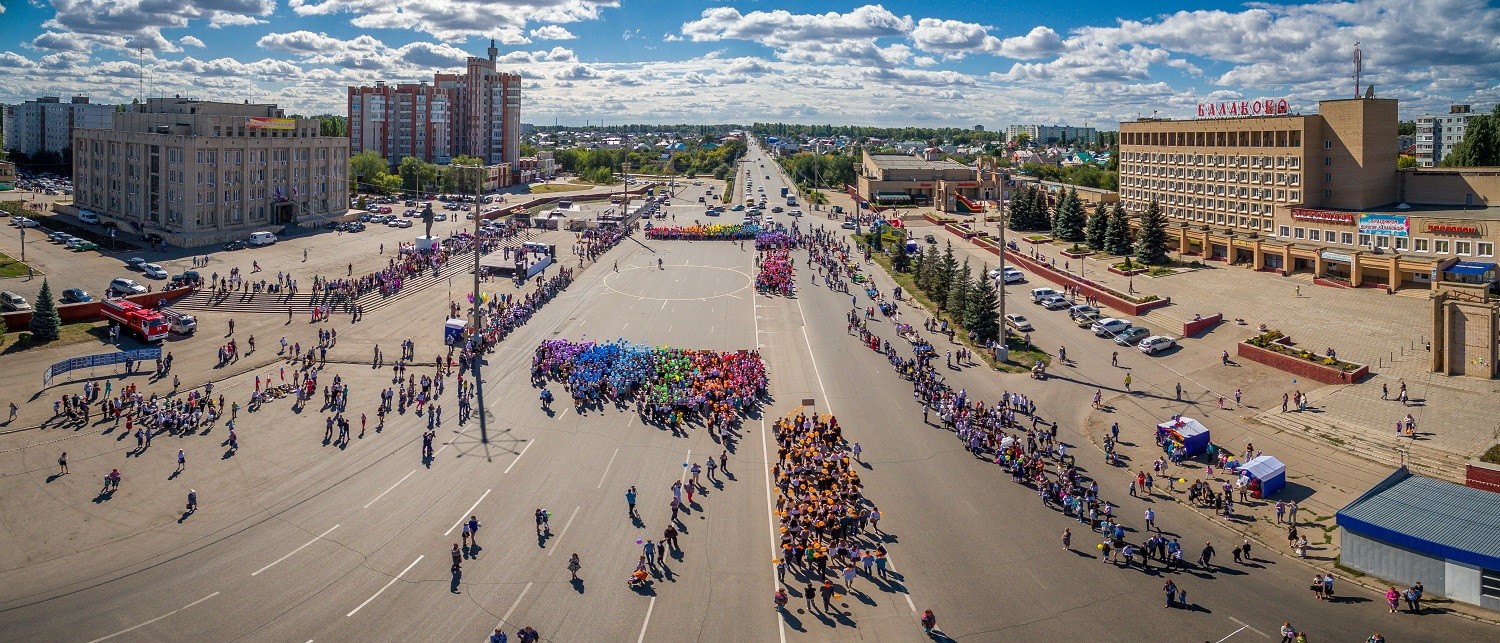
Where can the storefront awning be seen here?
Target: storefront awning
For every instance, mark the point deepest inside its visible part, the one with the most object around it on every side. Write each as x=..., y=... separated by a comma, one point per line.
x=1469, y=268
x=892, y=196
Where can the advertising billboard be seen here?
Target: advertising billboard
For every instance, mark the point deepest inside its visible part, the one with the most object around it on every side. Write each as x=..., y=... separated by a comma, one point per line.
x=270, y=123
x=1390, y=225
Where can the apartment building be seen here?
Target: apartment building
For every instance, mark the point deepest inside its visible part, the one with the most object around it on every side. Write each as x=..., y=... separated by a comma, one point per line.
x=475, y=113
x=200, y=172
x=46, y=125
x=1437, y=134
x=1053, y=134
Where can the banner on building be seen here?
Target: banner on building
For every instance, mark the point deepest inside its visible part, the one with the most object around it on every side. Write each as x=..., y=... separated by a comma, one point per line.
x=1390, y=225
x=271, y=123
x=101, y=359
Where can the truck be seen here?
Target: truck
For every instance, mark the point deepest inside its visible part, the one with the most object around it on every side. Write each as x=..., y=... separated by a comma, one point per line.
x=791, y=200
x=143, y=322
x=180, y=322
x=784, y=190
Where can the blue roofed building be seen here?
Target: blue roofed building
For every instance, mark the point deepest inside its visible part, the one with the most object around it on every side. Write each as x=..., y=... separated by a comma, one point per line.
x=1409, y=529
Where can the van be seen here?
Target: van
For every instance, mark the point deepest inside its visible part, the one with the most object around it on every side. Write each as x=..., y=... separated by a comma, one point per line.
x=262, y=238
x=88, y=216
x=1038, y=294
x=13, y=301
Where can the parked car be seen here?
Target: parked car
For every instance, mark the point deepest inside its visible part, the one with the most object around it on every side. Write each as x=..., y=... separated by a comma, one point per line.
x=1087, y=320
x=1038, y=294
x=1109, y=326
x=76, y=296
x=135, y=263
x=1081, y=309
x=13, y=301
x=154, y=271
x=1156, y=344
x=82, y=245
x=126, y=286
x=1132, y=336
x=1018, y=322
x=402, y=223
x=22, y=222
x=1013, y=276
x=930, y=239
x=847, y=225
x=235, y=245
x=58, y=236
x=1054, y=302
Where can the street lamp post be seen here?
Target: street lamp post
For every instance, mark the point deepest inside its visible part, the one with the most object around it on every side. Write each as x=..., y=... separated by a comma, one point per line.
x=478, y=309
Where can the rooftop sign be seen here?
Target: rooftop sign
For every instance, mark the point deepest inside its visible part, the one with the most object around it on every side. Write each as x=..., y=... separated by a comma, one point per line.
x=1265, y=107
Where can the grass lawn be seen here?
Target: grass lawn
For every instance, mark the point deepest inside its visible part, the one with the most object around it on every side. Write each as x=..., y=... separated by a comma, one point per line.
x=10, y=267
x=560, y=187
x=76, y=333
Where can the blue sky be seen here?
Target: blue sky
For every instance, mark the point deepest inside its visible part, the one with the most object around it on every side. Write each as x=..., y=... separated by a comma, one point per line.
x=888, y=63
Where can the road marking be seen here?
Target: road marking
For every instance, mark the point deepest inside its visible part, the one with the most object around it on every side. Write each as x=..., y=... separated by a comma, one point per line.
x=649, y=606
x=468, y=513
x=387, y=586
x=687, y=464
x=607, y=466
x=663, y=305
x=304, y=546
x=1231, y=634
x=513, y=606
x=136, y=627
x=382, y=494
x=518, y=455
x=770, y=511
x=627, y=325
x=1247, y=625
x=564, y=531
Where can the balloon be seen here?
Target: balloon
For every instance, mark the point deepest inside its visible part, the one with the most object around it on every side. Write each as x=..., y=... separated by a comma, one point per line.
x=1100, y=546
x=639, y=541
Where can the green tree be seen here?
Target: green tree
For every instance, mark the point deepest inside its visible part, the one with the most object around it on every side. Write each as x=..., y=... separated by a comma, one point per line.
x=900, y=258
x=1151, y=242
x=417, y=175
x=1406, y=162
x=928, y=267
x=386, y=184
x=1481, y=143
x=1117, y=233
x=462, y=176
x=958, y=289
x=947, y=270
x=980, y=314
x=46, y=323
x=367, y=164
x=1021, y=208
x=1093, y=233
x=1069, y=221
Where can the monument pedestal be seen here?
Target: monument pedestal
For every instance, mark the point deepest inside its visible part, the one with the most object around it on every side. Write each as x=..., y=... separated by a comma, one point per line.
x=427, y=243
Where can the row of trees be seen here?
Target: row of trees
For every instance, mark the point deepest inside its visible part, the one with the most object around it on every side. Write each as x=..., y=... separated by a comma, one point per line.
x=368, y=172
x=1087, y=175
x=1481, y=144
x=601, y=165
x=1106, y=230
x=971, y=299
x=830, y=170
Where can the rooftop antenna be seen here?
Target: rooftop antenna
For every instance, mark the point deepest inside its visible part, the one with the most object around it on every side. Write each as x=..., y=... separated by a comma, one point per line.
x=1359, y=65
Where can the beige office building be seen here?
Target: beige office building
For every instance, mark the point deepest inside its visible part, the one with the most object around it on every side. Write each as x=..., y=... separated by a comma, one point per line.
x=199, y=173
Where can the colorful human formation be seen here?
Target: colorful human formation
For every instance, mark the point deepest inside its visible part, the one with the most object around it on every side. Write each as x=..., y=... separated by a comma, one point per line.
x=773, y=239
x=709, y=232
x=822, y=512
x=775, y=275
x=668, y=385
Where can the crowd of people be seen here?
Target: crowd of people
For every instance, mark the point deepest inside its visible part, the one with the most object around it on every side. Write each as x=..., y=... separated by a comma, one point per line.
x=504, y=313
x=825, y=520
x=704, y=232
x=775, y=273
x=671, y=386
x=769, y=239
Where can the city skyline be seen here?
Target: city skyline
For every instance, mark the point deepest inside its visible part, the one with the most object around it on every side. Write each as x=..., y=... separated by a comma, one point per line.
x=888, y=64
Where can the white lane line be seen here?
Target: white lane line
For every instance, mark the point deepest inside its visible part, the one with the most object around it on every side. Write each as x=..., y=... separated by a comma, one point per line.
x=816, y=371
x=468, y=513
x=514, y=605
x=518, y=455
x=564, y=532
x=607, y=466
x=663, y=305
x=1247, y=625
x=387, y=586
x=294, y=551
x=765, y=451
x=687, y=464
x=627, y=325
x=136, y=627
x=1231, y=634
x=649, y=606
x=398, y=482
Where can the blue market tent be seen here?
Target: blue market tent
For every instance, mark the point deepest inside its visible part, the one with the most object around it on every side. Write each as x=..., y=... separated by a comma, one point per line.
x=1189, y=432
x=1269, y=471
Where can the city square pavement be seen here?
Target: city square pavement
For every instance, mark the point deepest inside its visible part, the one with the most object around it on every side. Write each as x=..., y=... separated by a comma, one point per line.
x=298, y=538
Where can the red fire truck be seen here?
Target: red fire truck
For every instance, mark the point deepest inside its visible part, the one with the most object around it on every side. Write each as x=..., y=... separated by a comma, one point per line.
x=145, y=323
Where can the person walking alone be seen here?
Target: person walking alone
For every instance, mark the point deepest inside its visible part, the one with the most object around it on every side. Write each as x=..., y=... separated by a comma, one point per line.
x=574, y=566
x=62, y=464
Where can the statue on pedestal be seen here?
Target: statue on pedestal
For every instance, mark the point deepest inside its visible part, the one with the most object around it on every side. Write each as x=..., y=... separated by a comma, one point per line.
x=427, y=218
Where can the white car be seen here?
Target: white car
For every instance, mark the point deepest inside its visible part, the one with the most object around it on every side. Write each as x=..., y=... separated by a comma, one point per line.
x=1054, y=302
x=1109, y=326
x=22, y=222
x=1155, y=344
x=127, y=286
x=1018, y=322
x=1013, y=276
x=154, y=271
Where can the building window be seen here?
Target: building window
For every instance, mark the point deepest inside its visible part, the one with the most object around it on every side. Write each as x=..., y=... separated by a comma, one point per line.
x=1327, y=145
x=1403, y=244
x=1346, y=238
x=1463, y=247
x=1486, y=248
x=1440, y=246
x=1421, y=245
x=1364, y=239
x=1327, y=160
x=1328, y=194
x=1266, y=225
x=1314, y=234
x=1299, y=233
x=1382, y=241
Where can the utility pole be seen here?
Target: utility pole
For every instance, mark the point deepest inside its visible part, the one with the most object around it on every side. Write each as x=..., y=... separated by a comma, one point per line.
x=624, y=186
x=484, y=435
x=1003, y=352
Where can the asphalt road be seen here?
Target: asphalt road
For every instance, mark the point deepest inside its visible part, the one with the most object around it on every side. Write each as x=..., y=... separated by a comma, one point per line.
x=297, y=540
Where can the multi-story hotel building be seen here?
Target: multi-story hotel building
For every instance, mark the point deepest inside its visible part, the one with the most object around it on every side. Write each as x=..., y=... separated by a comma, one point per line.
x=475, y=113
x=1313, y=193
x=199, y=172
